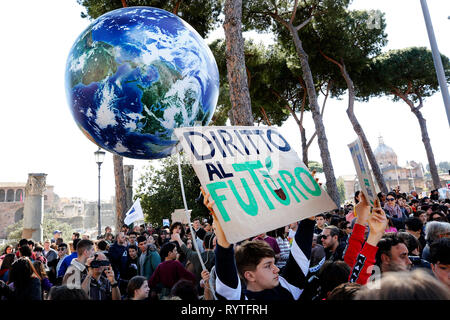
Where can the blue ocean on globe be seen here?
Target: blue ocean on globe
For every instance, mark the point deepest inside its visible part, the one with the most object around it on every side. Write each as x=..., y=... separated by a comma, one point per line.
x=134, y=75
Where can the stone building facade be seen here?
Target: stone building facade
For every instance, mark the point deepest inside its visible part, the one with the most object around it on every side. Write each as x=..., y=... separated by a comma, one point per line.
x=409, y=177
x=80, y=214
x=12, y=196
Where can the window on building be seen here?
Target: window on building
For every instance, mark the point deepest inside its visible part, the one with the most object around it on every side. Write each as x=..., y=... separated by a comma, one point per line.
x=2, y=195
x=10, y=195
x=45, y=197
x=19, y=195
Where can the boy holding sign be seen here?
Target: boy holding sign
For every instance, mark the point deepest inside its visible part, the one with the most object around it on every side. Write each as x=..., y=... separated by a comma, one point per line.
x=254, y=261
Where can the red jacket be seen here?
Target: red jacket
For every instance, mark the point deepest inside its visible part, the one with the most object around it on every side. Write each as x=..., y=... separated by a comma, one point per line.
x=359, y=258
x=168, y=273
x=33, y=255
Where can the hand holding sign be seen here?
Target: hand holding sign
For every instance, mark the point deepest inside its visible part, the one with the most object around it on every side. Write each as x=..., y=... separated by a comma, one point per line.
x=377, y=224
x=362, y=210
x=257, y=181
x=221, y=238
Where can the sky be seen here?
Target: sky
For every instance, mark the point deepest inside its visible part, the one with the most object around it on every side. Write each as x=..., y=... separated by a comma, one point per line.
x=39, y=134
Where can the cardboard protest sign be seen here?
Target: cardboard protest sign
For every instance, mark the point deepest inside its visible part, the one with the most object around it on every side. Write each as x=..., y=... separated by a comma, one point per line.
x=179, y=215
x=256, y=179
x=444, y=193
x=363, y=170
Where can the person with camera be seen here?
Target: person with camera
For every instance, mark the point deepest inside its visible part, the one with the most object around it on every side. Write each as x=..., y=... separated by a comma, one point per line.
x=99, y=283
x=77, y=268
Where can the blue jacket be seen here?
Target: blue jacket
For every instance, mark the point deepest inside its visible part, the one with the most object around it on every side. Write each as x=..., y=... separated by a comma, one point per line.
x=118, y=256
x=151, y=262
x=66, y=263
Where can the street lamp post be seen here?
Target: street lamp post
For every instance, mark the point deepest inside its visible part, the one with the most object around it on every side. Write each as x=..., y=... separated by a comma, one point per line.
x=436, y=58
x=99, y=156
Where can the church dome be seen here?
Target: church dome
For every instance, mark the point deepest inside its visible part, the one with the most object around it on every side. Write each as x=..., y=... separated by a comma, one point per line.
x=384, y=154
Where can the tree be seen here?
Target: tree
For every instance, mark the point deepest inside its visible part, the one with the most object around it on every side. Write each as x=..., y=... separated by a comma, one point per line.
x=263, y=77
x=276, y=89
x=241, y=110
x=341, y=188
x=348, y=41
x=444, y=166
x=408, y=74
x=160, y=192
x=286, y=19
x=202, y=15
x=314, y=165
x=121, y=198
x=49, y=225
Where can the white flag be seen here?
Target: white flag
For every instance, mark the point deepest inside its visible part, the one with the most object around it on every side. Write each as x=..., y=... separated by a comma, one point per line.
x=135, y=213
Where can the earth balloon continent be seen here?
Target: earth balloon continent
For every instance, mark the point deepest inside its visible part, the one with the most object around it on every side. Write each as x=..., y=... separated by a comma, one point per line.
x=134, y=75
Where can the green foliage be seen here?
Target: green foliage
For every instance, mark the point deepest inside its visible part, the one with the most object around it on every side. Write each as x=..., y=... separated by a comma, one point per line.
x=202, y=15
x=410, y=70
x=260, y=14
x=267, y=15
x=314, y=165
x=160, y=191
x=50, y=224
x=346, y=37
x=273, y=83
x=444, y=166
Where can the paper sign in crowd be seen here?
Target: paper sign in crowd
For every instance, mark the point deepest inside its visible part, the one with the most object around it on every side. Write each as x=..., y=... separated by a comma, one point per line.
x=256, y=179
x=179, y=215
x=363, y=170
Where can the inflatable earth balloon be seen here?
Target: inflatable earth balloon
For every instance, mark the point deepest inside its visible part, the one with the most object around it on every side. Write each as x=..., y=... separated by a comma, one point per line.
x=134, y=75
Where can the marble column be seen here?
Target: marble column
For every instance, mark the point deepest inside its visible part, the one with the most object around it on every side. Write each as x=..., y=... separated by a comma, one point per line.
x=34, y=207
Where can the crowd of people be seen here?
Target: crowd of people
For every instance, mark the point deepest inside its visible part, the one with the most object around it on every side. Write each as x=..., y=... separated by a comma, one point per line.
x=399, y=248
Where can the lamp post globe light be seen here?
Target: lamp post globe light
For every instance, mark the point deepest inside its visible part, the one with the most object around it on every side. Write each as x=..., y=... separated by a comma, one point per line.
x=99, y=157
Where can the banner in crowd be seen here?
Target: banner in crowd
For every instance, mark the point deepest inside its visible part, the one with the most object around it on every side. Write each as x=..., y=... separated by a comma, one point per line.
x=166, y=223
x=135, y=213
x=363, y=170
x=256, y=179
x=179, y=215
x=444, y=193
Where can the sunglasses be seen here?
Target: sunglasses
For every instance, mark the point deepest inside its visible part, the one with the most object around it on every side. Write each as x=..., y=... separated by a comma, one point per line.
x=390, y=199
x=325, y=237
x=61, y=249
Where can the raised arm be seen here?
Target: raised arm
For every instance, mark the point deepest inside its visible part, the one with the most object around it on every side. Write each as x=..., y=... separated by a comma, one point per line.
x=356, y=240
x=362, y=269
x=228, y=285
x=297, y=266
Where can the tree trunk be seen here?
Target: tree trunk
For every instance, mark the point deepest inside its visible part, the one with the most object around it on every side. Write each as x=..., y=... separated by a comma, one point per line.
x=360, y=132
x=320, y=129
x=128, y=180
x=177, y=7
x=236, y=71
x=424, y=132
x=304, y=146
x=302, y=137
x=427, y=144
x=121, y=200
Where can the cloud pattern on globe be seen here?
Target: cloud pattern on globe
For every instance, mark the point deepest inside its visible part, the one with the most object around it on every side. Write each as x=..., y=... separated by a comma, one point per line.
x=134, y=75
